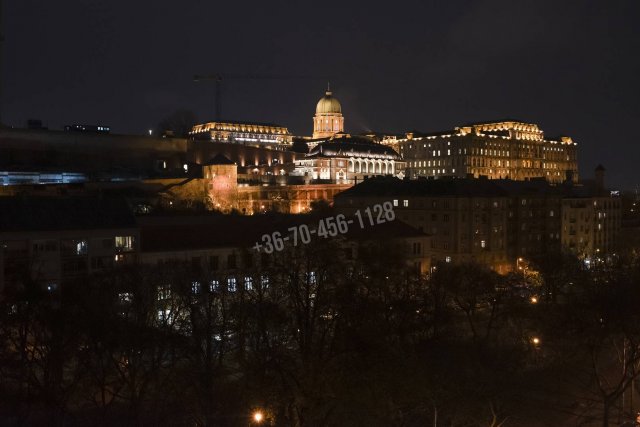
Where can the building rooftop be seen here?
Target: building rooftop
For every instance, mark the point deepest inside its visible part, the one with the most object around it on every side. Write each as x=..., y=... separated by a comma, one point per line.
x=166, y=234
x=56, y=214
x=239, y=126
x=351, y=146
x=328, y=104
x=219, y=159
x=163, y=234
x=390, y=186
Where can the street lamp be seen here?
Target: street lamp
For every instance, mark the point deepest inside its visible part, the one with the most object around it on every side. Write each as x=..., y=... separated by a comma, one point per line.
x=257, y=417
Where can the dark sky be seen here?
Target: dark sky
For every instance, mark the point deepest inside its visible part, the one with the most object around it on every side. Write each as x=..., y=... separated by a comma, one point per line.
x=570, y=66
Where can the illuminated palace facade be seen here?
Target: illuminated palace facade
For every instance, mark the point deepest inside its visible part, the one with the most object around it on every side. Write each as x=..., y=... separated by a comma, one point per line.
x=346, y=159
x=340, y=158
x=498, y=150
x=253, y=134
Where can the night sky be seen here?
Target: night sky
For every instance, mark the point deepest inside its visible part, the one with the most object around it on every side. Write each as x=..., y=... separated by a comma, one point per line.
x=570, y=66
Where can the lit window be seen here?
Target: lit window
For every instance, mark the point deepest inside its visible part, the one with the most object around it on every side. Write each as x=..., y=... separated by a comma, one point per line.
x=214, y=286
x=448, y=259
x=195, y=287
x=311, y=276
x=264, y=281
x=81, y=247
x=124, y=243
x=231, y=284
x=395, y=203
x=164, y=292
x=483, y=244
x=165, y=316
x=125, y=297
x=405, y=203
x=248, y=283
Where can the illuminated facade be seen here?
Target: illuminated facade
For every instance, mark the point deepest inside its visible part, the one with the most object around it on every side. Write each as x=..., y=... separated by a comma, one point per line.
x=254, y=134
x=498, y=150
x=347, y=159
x=328, y=120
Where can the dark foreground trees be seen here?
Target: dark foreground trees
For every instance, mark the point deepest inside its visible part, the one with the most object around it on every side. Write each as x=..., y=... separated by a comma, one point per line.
x=318, y=337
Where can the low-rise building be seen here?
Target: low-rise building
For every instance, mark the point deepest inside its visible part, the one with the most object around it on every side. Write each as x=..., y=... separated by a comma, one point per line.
x=46, y=242
x=498, y=222
x=467, y=220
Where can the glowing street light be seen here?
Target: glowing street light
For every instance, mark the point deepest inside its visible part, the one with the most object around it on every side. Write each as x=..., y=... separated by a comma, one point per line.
x=535, y=340
x=258, y=416
x=534, y=300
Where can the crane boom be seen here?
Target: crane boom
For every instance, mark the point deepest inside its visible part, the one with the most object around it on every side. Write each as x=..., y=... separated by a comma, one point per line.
x=218, y=78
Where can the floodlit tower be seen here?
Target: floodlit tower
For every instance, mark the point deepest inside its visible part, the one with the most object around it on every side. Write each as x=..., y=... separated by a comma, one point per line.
x=328, y=119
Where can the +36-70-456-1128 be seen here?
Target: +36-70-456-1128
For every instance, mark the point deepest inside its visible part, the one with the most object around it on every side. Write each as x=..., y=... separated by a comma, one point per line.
x=327, y=227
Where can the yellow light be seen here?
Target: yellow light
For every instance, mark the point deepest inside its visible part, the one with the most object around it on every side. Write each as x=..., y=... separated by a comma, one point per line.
x=258, y=417
x=534, y=300
x=536, y=340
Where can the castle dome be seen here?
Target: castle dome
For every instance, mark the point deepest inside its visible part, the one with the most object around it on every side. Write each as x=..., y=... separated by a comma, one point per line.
x=328, y=105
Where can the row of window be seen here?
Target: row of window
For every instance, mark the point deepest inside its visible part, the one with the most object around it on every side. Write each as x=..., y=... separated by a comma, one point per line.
x=81, y=246
x=213, y=262
x=446, y=204
x=228, y=284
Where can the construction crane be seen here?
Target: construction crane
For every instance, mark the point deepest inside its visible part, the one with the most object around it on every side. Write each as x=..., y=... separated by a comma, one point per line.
x=218, y=78
x=1, y=52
